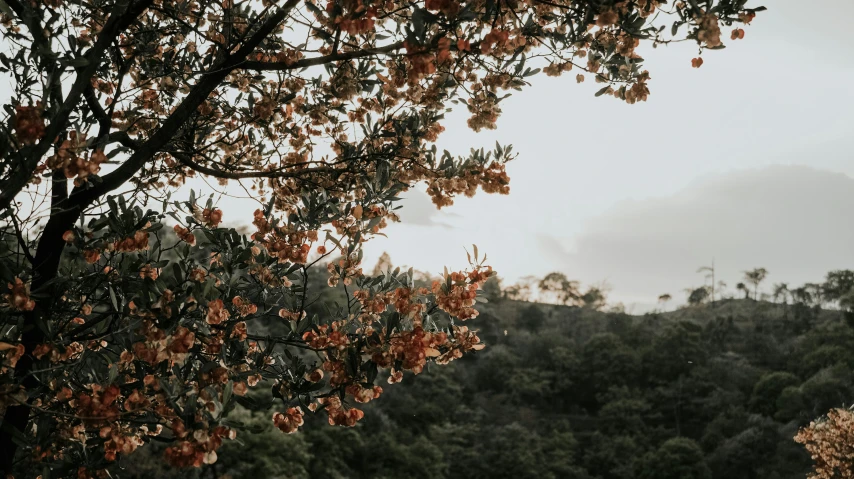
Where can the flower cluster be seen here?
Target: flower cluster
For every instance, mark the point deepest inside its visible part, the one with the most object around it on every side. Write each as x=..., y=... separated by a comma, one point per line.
x=830, y=442
x=212, y=217
x=197, y=448
x=340, y=415
x=29, y=124
x=457, y=294
x=491, y=178
x=709, y=31
x=73, y=159
x=344, y=270
x=137, y=242
x=290, y=421
x=185, y=235
x=411, y=348
x=159, y=347
x=19, y=296
x=328, y=336
x=244, y=307
x=286, y=244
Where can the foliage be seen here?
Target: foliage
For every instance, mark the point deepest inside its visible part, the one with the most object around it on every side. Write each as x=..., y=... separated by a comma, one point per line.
x=560, y=288
x=699, y=295
x=677, y=458
x=755, y=277
x=114, y=335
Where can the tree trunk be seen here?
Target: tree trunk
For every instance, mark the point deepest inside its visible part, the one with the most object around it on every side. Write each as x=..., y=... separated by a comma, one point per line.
x=44, y=268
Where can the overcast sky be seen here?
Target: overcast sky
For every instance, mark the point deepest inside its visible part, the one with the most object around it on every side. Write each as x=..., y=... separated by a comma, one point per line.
x=746, y=160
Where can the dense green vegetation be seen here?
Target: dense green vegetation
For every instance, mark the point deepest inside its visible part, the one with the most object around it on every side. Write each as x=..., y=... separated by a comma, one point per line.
x=707, y=391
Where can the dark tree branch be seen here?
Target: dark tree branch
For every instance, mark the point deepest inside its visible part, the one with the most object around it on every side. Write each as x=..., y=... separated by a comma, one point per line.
x=236, y=175
x=120, y=19
x=44, y=50
x=82, y=197
x=308, y=62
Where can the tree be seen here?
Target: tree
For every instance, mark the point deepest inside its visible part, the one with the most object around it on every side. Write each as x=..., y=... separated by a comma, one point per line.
x=698, y=296
x=532, y=318
x=801, y=295
x=677, y=458
x=593, y=298
x=492, y=288
x=323, y=115
x=838, y=284
x=559, y=287
x=816, y=292
x=521, y=291
x=754, y=277
x=768, y=389
x=743, y=288
x=709, y=276
x=781, y=291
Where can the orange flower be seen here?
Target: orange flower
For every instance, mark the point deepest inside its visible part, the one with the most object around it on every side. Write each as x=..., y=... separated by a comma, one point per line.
x=29, y=124
x=19, y=296
x=212, y=217
x=290, y=421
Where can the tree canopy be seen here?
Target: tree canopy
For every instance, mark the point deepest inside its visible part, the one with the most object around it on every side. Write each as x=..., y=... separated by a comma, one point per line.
x=115, y=333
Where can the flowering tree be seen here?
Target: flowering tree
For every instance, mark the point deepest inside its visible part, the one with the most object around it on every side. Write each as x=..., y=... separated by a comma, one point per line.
x=113, y=335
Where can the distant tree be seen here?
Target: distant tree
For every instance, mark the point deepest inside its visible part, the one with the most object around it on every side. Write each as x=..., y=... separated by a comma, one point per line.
x=593, y=298
x=677, y=458
x=559, y=287
x=838, y=284
x=383, y=265
x=754, y=277
x=492, y=288
x=663, y=300
x=532, y=318
x=801, y=295
x=767, y=391
x=743, y=288
x=781, y=291
x=847, y=302
x=816, y=292
x=698, y=296
x=522, y=290
x=612, y=456
x=517, y=292
x=674, y=352
x=747, y=454
x=709, y=276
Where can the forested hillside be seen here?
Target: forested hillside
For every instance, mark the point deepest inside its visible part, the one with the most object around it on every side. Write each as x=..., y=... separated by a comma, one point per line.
x=707, y=391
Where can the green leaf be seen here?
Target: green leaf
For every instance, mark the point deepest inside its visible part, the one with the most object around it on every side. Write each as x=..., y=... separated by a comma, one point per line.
x=113, y=298
x=114, y=373
x=227, y=393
